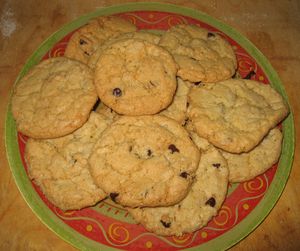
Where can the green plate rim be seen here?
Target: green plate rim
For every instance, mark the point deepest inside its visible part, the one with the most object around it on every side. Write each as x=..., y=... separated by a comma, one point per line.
x=225, y=241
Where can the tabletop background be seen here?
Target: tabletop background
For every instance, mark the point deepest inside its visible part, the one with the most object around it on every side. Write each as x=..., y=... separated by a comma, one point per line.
x=273, y=26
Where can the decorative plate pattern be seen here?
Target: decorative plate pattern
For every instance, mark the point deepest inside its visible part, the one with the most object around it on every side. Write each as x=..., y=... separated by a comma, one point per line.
x=108, y=225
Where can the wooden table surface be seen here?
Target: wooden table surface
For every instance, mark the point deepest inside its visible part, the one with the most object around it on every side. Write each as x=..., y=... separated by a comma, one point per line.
x=273, y=26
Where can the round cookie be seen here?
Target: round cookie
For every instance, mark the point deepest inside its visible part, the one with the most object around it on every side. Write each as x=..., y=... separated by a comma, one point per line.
x=235, y=114
x=144, y=161
x=143, y=35
x=54, y=98
x=198, y=207
x=60, y=166
x=201, y=55
x=85, y=41
x=177, y=109
x=135, y=77
x=245, y=166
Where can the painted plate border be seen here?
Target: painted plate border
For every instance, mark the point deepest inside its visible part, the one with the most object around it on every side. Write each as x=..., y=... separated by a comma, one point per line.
x=226, y=240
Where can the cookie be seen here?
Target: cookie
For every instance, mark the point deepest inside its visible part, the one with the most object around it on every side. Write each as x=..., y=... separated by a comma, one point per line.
x=144, y=161
x=201, y=55
x=235, y=114
x=135, y=77
x=85, y=41
x=60, y=166
x=202, y=202
x=177, y=109
x=246, y=166
x=54, y=98
x=143, y=35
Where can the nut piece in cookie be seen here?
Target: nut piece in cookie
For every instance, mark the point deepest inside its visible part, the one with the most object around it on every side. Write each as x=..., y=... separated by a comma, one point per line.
x=144, y=161
x=85, y=41
x=235, y=114
x=200, y=54
x=201, y=203
x=60, y=166
x=135, y=77
x=54, y=98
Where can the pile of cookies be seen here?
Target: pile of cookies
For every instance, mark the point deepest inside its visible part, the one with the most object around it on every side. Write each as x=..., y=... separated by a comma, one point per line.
x=155, y=122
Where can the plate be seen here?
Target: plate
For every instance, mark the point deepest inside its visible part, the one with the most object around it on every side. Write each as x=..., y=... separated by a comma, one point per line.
x=108, y=226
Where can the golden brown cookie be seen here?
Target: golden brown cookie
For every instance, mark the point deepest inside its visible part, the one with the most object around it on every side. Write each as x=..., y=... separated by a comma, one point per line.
x=60, y=166
x=235, y=114
x=144, y=161
x=135, y=77
x=54, y=98
x=201, y=55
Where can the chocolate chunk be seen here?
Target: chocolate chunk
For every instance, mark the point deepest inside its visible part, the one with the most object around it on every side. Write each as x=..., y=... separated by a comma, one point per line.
x=81, y=41
x=250, y=75
x=113, y=196
x=173, y=148
x=96, y=105
x=217, y=165
x=210, y=34
x=211, y=201
x=197, y=83
x=149, y=152
x=117, y=92
x=184, y=175
x=165, y=224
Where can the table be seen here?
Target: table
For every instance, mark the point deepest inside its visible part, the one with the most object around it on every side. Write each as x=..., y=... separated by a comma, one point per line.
x=273, y=26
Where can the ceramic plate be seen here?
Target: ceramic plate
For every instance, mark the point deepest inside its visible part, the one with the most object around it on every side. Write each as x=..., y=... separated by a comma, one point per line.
x=108, y=226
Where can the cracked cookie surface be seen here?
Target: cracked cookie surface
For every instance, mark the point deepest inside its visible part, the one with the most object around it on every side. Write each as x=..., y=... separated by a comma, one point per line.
x=60, y=166
x=246, y=166
x=235, y=114
x=54, y=98
x=135, y=77
x=85, y=41
x=144, y=171
x=201, y=55
x=142, y=35
x=201, y=203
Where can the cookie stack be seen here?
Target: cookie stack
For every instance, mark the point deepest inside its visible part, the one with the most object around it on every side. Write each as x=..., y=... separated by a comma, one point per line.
x=154, y=122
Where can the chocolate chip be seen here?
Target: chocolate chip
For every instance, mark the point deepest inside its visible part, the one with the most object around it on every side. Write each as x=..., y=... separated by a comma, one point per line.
x=185, y=122
x=250, y=74
x=165, y=224
x=96, y=105
x=217, y=165
x=197, y=83
x=152, y=84
x=184, y=175
x=173, y=148
x=149, y=152
x=211, y=201
x=117, y=92
x=81, y=41
x=113, y=196
x=210, y=34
